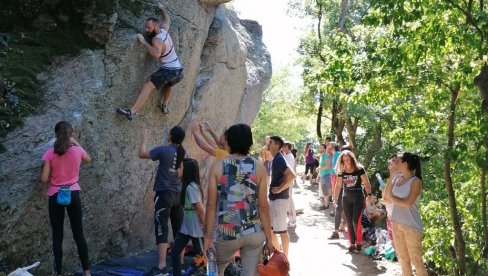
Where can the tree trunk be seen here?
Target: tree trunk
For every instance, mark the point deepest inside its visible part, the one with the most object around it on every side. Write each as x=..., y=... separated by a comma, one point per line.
x=484, y=218
x=460, y=244
x=342, y=17
x=337, y=124
x=339, y=130
x=482, y=82
x=351, y=127
x=319, y=115
x=373, y=149
x=483, y=211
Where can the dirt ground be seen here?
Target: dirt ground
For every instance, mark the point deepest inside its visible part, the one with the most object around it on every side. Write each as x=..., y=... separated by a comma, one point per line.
x=312, y=254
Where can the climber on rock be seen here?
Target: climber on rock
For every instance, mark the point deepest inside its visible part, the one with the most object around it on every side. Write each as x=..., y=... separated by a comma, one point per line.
x=170, y=72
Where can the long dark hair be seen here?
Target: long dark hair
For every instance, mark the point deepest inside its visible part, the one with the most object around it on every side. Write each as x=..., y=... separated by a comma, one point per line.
x=191, y=173
x=413, y=163
x=63, y=132
x=177, y=135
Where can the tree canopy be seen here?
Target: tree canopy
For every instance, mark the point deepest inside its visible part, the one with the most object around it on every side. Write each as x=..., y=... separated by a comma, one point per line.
x=389, y=76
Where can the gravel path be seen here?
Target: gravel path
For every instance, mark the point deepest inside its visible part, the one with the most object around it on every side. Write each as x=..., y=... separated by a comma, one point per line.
x=312, y=254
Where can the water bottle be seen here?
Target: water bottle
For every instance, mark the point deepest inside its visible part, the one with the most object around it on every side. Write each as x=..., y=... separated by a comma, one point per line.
x=380, y=180
x=211, y=262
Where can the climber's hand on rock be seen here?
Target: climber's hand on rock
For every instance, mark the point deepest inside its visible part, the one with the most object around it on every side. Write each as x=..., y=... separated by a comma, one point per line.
x=208, y=127
x=141, y=39
x=160, y=4
x=195, y=127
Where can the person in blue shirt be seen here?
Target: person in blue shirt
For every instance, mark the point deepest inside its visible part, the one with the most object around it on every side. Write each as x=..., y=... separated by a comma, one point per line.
x=167, y=188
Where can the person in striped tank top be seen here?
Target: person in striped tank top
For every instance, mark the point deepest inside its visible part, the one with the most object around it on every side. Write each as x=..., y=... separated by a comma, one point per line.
x=160, y=47
x=237, y=216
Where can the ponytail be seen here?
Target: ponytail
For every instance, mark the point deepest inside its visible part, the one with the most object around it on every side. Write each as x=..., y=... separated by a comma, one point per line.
x=418, y=169
x=413, y=163
x=63, y=132
x=177, y=135
x=180, y=155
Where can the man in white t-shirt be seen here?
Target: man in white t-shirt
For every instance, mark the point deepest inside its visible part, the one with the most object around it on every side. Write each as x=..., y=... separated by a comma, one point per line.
x=290, y=159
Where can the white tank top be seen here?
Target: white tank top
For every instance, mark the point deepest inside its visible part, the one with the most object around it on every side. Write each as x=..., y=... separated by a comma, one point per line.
x=404, y=215
x=168, y=59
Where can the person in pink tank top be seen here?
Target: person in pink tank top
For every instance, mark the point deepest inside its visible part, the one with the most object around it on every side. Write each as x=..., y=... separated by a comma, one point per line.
x=61, y=168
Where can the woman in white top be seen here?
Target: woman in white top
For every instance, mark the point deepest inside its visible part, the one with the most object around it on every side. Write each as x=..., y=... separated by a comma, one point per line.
x=404, y=192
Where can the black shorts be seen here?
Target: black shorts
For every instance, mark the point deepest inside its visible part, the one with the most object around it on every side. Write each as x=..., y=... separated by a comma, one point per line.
x=166, y=77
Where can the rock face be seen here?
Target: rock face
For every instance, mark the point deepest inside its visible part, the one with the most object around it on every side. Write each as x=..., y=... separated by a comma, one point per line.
x=227, y=67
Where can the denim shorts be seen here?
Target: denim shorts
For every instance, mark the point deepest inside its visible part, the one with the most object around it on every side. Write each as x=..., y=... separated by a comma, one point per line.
x=325, y=183
x=166, y=77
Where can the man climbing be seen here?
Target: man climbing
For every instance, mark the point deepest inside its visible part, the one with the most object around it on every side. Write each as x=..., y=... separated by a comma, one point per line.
x=170, y=72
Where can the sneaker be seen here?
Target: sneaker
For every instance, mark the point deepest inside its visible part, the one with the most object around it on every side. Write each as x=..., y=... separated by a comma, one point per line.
x=164, y=109
x=358, y=248
x=125, y=112
x=156, y=271
x=334, y=236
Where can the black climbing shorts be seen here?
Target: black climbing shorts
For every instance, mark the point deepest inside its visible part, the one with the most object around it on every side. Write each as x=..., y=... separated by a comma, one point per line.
x=166, y=77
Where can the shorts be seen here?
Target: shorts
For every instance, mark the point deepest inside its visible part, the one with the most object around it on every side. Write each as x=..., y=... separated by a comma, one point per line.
x=278, y=210
x=310, y=167
x=267, y=166
x=325, y=184
x=166, y=77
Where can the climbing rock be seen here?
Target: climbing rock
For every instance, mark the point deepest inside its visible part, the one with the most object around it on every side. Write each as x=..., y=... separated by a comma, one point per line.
x=227, y=67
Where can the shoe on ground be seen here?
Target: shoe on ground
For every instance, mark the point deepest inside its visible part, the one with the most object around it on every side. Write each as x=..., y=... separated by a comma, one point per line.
x=332, y=213
x=125, y=112
x=352, y=248
x=164, y=109
x=156, y=271
x=334, y=236
x=358, y=248
x=324, y=207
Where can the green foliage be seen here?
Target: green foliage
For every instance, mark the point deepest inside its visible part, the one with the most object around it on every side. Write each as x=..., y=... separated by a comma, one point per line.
x=397, y=62
x=281, y=112
x=25, y=53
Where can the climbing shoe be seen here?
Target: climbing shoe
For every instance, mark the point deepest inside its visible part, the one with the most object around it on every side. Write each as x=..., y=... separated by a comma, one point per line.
x=334, y=236
x=164, y=109
x=125, y=112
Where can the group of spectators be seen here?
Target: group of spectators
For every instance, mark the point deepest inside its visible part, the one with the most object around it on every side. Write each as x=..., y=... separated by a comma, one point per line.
x=351, y=192
x=248, y=203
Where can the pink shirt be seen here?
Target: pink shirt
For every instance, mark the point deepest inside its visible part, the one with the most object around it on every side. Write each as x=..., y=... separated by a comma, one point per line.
x=65, y=169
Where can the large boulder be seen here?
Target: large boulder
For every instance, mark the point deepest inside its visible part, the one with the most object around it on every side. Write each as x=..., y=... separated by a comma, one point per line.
x=227, y=68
